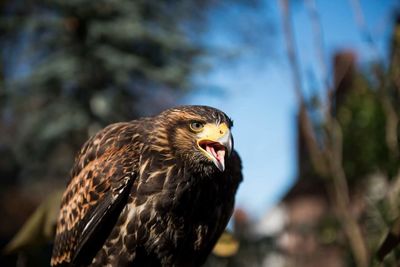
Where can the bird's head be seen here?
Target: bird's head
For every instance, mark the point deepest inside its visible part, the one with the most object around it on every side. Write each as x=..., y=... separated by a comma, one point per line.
x=200, y=135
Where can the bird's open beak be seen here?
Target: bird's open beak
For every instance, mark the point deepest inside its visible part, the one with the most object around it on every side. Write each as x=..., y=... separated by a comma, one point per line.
x=215, y=141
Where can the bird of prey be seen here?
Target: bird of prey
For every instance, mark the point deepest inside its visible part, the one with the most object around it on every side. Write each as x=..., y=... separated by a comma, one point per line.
x=156, y=191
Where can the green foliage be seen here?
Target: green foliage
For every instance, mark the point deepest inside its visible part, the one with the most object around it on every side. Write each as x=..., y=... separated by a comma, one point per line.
x=363, y=127
x=363, y=124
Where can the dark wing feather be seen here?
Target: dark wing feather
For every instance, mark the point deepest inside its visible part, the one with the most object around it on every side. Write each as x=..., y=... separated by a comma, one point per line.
x=103, y=171
x=100, y=224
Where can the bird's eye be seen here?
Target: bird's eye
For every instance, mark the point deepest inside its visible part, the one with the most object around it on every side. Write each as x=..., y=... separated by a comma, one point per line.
x=196, y=126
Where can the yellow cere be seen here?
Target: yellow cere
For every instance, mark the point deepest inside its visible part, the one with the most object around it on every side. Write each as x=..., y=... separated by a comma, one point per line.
x=213, y=132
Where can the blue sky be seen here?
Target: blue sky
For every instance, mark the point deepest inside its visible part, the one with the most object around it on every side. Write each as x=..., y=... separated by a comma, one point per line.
x=258, y=89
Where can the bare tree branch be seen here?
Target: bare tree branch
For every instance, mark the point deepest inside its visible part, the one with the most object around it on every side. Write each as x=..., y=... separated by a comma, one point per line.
x=328, y=162
x=341, y=196
x=317, y=159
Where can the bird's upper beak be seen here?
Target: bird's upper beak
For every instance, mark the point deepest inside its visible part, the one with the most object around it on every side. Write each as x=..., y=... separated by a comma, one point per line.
x=216, y=141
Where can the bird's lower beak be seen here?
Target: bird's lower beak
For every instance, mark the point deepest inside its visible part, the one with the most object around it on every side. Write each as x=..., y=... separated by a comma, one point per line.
x=216, y=143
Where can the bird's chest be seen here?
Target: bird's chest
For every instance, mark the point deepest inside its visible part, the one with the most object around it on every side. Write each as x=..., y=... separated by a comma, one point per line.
x=183, y=195
x=176, y=212
x=199, y=199
x=191, y=212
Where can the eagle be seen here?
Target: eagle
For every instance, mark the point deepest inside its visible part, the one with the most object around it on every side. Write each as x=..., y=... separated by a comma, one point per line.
x=157, y=191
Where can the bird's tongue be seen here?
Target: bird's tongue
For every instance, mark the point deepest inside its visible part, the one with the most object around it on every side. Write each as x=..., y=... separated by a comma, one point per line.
x=218, y=153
